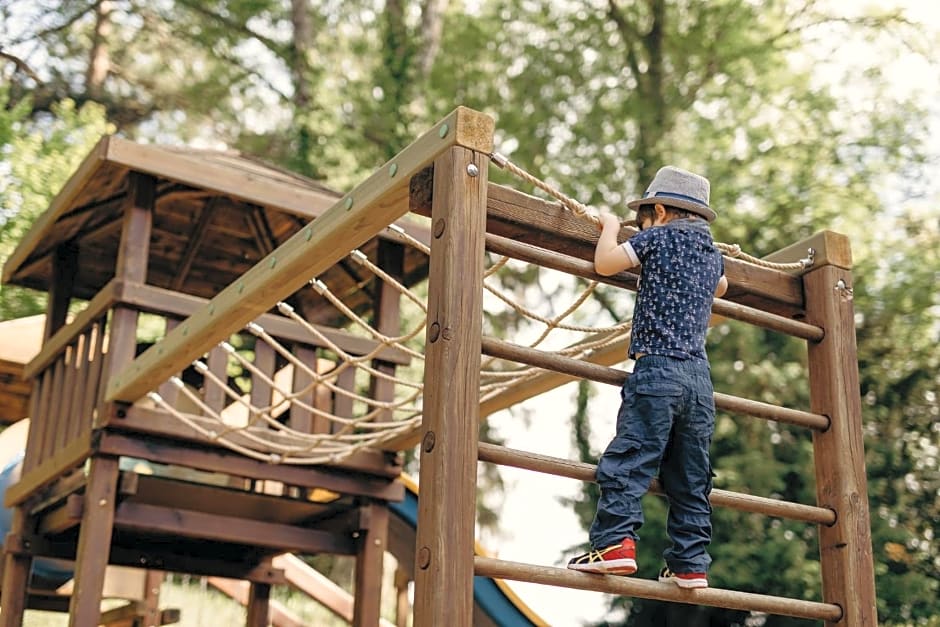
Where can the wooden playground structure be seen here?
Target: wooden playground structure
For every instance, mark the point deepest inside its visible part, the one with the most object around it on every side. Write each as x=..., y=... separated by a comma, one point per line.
x=205, y=246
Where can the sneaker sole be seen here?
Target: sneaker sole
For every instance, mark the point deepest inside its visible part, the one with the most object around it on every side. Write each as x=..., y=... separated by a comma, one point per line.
x=611, y=567
x=687, y=584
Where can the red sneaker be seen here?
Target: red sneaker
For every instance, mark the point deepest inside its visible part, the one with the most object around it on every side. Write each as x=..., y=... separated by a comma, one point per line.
x=683, y=580
x=619, y=559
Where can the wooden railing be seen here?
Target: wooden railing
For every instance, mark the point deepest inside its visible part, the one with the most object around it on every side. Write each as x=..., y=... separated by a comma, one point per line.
x=67, y=404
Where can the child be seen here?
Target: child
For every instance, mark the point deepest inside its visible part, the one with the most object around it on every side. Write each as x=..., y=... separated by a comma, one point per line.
x=667, y=414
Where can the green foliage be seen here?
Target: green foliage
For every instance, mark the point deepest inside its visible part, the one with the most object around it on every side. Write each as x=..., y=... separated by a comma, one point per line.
x=36, y=157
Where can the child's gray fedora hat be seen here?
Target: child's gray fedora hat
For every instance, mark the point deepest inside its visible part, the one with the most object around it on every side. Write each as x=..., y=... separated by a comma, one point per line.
x=675, y=187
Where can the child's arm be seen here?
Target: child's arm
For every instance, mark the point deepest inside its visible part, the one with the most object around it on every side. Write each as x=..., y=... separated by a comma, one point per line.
x=609, y=256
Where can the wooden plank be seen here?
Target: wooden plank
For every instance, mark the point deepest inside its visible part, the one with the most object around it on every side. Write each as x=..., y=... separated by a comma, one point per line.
x=147, y=519
x=828, y=249
x=347, y=224
x=845, y=547
x=530, y=220
x=328, y=477
x=213, y=394
x=183, y=494
x=647, y=589
x=301, y=419
x=92, y=386
x=44, y=224
x=450, y=421
x=94, y=541
x=48, y=471
x=165, y=302
x=369, y=571
x=265, y=361
x=150, y=422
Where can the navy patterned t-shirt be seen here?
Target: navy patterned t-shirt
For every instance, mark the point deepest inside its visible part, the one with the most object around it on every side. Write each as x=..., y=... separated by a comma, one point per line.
x=679, y=270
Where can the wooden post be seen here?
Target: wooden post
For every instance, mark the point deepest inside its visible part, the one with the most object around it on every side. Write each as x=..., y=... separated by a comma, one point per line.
x=17, y=562
x=64, y=269
x=402, y=605
x=841, y=484
x=94, y=541
x=131, y=266
x=387, y=304
x=259, y=605
x=367, y=610
x=450, y=423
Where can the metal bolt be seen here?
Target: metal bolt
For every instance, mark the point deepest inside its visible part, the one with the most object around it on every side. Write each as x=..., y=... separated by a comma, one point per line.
x=472, y=169
x=424, y=558
x=103, y=502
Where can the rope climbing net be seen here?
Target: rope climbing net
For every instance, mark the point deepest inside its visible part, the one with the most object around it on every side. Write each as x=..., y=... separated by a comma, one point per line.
x=335, y=391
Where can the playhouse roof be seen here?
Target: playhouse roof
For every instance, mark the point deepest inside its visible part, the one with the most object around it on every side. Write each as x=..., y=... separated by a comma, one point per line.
x=217, y=213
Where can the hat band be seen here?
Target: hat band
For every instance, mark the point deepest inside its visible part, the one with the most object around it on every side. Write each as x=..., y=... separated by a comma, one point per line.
x=674, y=195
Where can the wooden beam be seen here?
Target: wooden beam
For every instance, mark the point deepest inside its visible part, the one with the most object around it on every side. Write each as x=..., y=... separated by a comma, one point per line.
x=828, y=249
x=144, y=518
x=198, y=235
x=330, y=478
x=360, y=215
x=450, y=421
x=153, y=422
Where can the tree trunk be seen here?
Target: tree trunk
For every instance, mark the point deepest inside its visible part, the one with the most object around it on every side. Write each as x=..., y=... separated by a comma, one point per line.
x=99, y=60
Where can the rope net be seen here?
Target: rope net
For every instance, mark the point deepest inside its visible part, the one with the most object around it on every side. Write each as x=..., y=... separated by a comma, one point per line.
x=335, y=394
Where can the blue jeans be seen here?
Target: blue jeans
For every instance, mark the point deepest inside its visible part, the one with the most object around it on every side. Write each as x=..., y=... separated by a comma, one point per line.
x=665, y=425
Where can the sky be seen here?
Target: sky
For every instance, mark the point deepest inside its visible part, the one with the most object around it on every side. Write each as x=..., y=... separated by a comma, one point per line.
x=534, y=527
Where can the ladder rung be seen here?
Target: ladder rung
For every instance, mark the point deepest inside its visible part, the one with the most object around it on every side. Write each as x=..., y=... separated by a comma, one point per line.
x=586, y=472
x=646, y=589
x=613, y=376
